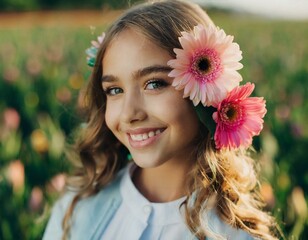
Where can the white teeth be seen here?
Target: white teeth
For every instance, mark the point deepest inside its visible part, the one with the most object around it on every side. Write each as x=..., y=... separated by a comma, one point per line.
x=144, y=136
x=137, y=137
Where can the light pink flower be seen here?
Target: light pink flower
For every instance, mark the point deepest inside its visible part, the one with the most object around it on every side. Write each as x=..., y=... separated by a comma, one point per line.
x=11, y=74
x=99, y=41
x=11, y=118
x=58, y=182
x=36, y=199
x=92, y=51
x=16, y=175
x=64, y=95
x=238, y=118
x=206, y=67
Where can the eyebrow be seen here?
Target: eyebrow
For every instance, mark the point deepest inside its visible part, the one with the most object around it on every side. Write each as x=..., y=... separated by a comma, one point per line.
x=141, y=72
x=152, y=69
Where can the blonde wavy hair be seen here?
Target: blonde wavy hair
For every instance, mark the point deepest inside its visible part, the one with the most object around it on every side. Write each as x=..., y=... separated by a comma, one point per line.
x=225, y=180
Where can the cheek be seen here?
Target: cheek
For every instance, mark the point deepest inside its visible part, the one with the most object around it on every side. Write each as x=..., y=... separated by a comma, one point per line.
x=176, y=110
x=187, y=118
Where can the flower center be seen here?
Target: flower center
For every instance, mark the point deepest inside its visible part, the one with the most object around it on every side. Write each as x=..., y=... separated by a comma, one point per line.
x=205, y=65
x=232, y=114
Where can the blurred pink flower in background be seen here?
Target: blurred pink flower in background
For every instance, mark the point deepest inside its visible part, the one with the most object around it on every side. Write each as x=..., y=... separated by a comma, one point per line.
x=11, y=74
x=63, y=94
x=297, y=130
x=283, y=112
x=16, y=175
x=58, y=182
x=55, y=53
x=34, y=66
x=36, y=199
x=11, y=118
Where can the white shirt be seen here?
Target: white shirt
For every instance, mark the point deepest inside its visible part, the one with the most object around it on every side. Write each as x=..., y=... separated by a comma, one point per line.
x=119, y=211
x=137, y=218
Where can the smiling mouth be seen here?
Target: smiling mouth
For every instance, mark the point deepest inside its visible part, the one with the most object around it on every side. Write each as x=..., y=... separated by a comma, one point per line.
x=145, y=136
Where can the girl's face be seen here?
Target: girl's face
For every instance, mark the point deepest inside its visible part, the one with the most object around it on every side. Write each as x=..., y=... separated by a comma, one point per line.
x=143, y=110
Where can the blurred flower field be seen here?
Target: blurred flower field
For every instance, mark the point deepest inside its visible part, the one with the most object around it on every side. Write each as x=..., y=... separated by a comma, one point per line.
x=42, y=74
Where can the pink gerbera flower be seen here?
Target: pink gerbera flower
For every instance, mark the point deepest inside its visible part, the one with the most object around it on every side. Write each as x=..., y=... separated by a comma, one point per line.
x=206, y=67
x=239, y=118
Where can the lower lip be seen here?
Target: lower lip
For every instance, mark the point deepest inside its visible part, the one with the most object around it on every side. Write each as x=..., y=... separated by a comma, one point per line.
x=143, y=143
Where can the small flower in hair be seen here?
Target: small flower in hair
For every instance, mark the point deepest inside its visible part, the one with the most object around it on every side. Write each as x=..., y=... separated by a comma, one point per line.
x=92, y=51
x=206, y=66
x=238, y=118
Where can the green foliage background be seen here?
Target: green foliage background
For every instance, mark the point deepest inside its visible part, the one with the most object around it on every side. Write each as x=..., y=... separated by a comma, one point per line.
x=42, y=71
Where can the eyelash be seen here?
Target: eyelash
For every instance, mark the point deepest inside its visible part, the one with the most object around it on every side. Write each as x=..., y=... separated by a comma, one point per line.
x=108, y=91
x=160, y=82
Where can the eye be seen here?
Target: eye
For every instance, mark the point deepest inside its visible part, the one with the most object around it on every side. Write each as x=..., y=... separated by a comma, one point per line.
x=155, y=84
x=112, y=91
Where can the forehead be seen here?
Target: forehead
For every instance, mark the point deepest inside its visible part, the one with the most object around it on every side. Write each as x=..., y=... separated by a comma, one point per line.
x=130, y=50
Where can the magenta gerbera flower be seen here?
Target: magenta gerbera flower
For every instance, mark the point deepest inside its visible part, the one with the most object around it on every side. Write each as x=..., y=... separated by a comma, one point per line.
x=239, y=118
x=206, y=66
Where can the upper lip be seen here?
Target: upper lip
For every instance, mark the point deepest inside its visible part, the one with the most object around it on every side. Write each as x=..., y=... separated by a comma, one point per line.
x=143, y=130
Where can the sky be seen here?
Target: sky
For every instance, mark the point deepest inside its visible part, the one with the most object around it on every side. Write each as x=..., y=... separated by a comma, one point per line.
x=282, y=9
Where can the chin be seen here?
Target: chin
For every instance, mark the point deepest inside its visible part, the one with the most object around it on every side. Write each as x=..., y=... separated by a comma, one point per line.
x=146, y=162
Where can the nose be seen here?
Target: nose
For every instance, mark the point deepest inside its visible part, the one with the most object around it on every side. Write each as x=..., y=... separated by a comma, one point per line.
x=133, y=109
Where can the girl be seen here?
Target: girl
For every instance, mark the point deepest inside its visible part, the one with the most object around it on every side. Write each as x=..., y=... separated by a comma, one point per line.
x=164, y=91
